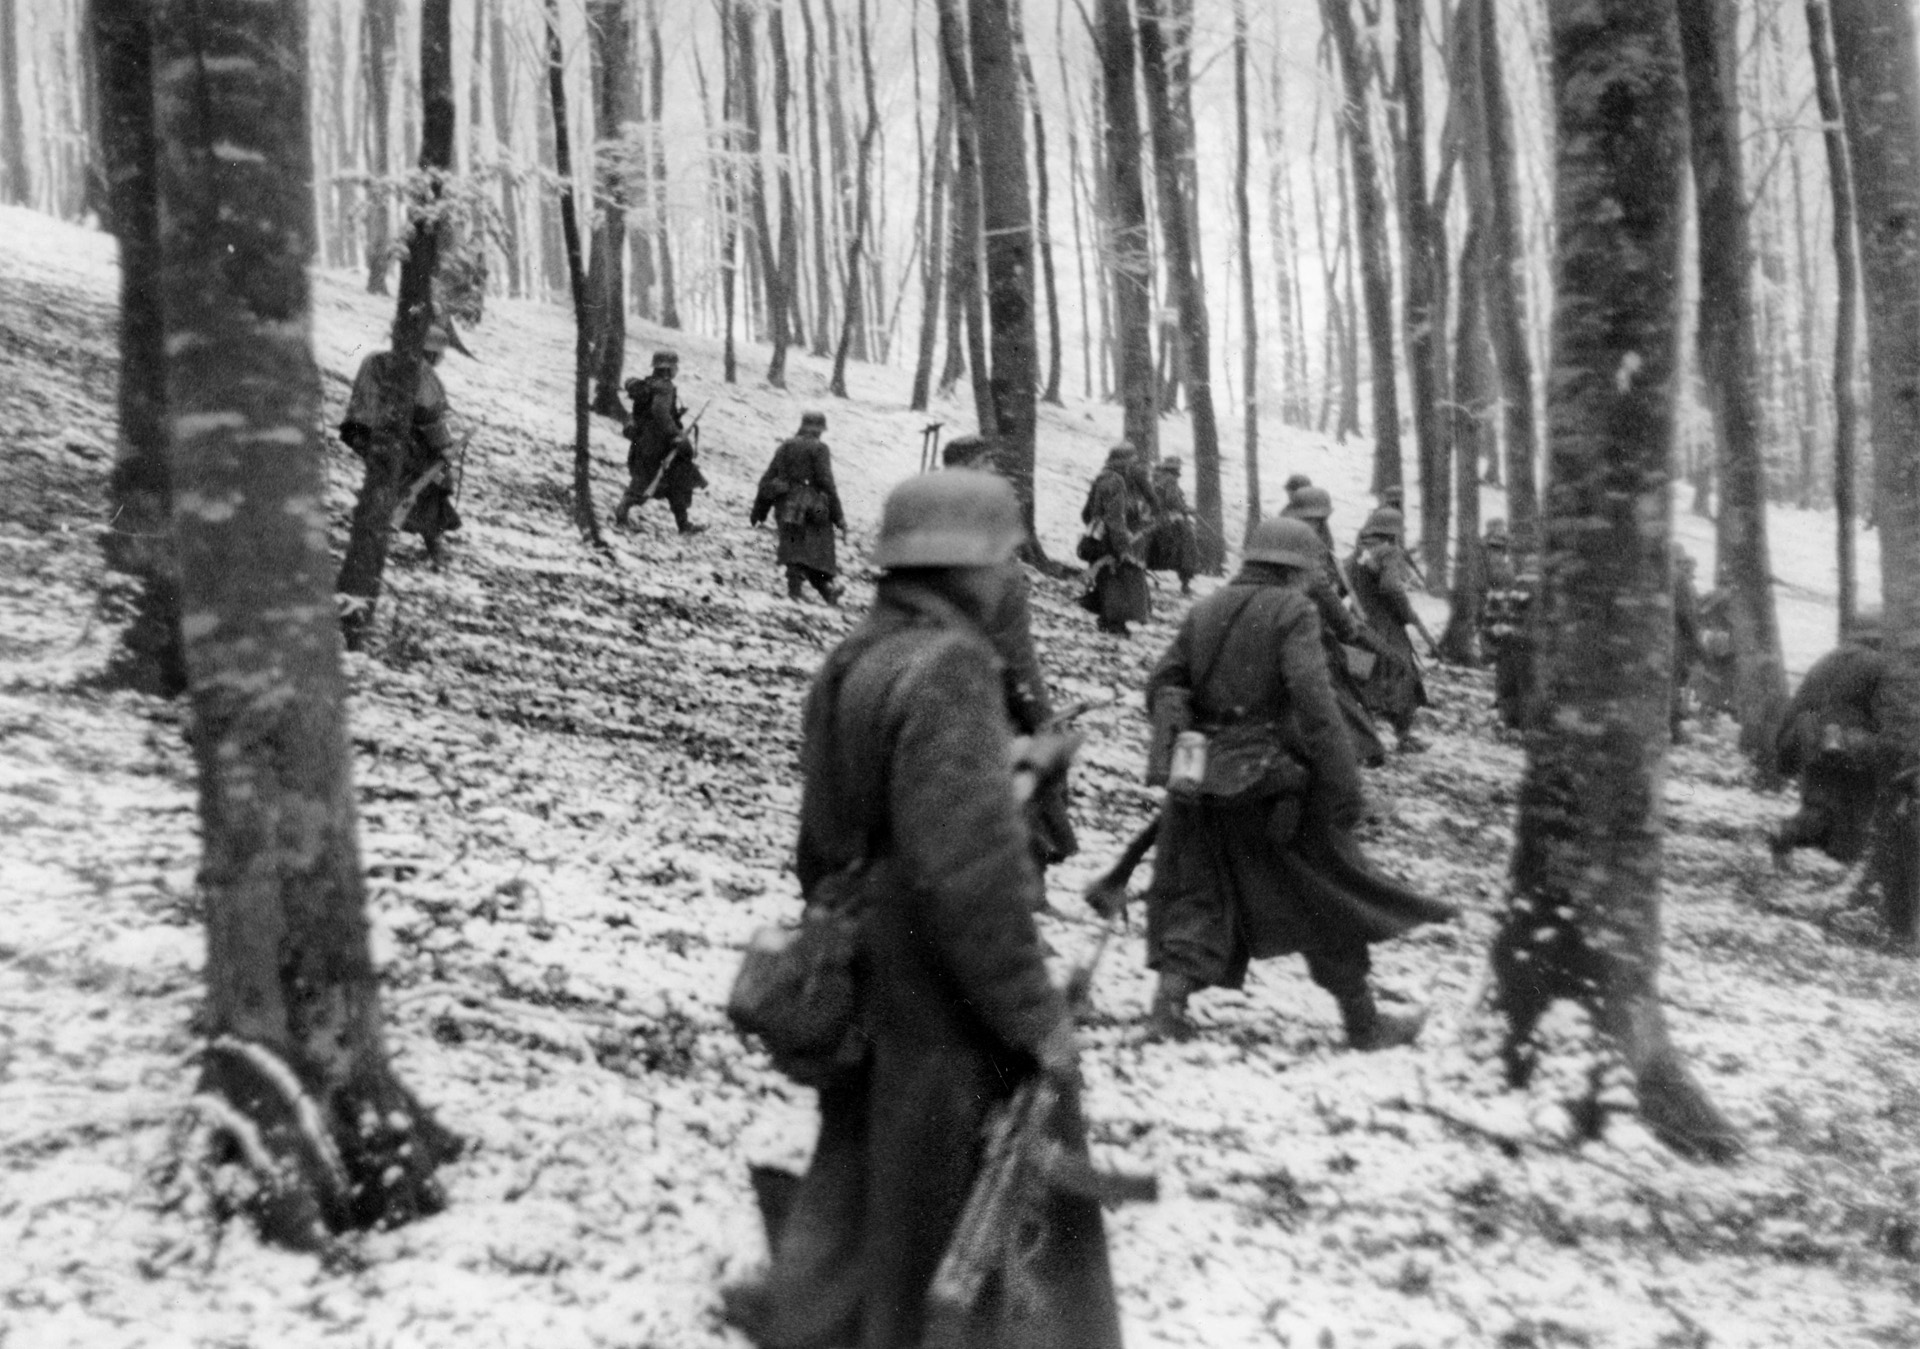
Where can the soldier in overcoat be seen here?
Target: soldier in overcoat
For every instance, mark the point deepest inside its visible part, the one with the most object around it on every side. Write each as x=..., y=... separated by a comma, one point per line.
x=799, y=491
x=1171, y=545
x=661, y=462
x=907, y=762
x=1339, y=630
x=1117, y=515
x=426, y=474
x=1276, y=868
x=1378, y=571
x=1830, y=738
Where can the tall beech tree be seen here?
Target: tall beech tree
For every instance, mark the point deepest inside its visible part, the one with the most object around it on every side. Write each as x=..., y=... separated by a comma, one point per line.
x=583, y=516
x=1124, y=244
x=1730, y=366
x=1873, y=47
x=610, y=62
x=371, y=529
x=139, y=539
x=1846, y=266
x=379, y=22
x=1583, y=922
x=1422, y=308
x=1243, y=245
x=786, y=260
x=1370, y=224
x=1007, y=216
x=656, y=94
x=964, y=305
x=853, y=317
x=933, y=255
x=1173, y=168
x=294, y=1081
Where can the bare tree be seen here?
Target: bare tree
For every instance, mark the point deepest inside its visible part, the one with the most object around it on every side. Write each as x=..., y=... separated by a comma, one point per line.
x=1583, y=925
x=1846, y=261
x=1370, y=221
x=378, y=21
x=295, y=1082
x=932, y=258
x=500, y=82
x=855, y=310
x=139, y=537
x=1873, y=48
x=1243, y=223
x=583, y=516
x=365, y=562
x=16, y=185
x=1043, y=243
x=610, y=61
x=1124, y=242
x=1425, y=314
x=786, y=262
x=964, y=303
x=657, y=146
x=1729, y=361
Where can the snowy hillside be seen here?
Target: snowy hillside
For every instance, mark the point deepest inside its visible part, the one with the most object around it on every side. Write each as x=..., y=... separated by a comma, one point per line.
x=577, y=790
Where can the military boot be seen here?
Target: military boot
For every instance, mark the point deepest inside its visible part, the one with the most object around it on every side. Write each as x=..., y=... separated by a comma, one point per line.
x=1369, y=1028
x=1167, y=1018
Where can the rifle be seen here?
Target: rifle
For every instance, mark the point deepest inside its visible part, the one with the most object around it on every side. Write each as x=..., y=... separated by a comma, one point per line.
x=460, y=466
x=436, y=473
x=1000, y=1231
x=930, y=446
x=690, y=434
x=1107, y=896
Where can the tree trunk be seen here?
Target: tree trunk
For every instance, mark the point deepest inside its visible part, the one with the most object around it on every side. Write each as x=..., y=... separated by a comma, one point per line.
x=746, y=65
x=1042, y=217
x=1584, y=922
x=1294, y=410
x=657, y=148
x=1873, y=48
x=16, y=185
x=729, y=188
x=1847, y=282
x=816, y=168
x=1425, y=315
x=1087, y=308
x=786, y=263
x=844, y=205
x=138, y=541
x=583, y=516
x=1471, y=409
x=1125, y=246
x=931, y=271
x=1007, y=214
x=378, y=22
x=1730, y=364
x=294, y=1082
x=1506, y=294
x=365, y=562
x=610, y=61
x=852, y=319
x=1376, y=268
x=963, y=262
x=1250, y=314
x=501, y=78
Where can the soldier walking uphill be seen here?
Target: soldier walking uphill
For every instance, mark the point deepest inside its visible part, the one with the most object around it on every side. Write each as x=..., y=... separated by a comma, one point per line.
x=1378, y=571
x=426, y=475
x=1118, y=510
x=907, y=762
x=1171, y=545
x=660, y=454
x=1352, y=647
x=1831, y=739
x=798, y=490
x=1256, y=855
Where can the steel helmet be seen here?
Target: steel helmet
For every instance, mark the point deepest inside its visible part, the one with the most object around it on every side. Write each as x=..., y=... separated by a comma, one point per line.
x=1285, y=541
x=1296, y=481
x=665, y=357
x=1384, y=523
x=1309, y=503
x=964, y=518
x=813, y=421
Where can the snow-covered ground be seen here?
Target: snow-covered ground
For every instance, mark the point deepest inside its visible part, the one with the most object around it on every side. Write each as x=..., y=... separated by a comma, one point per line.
x=577, y=792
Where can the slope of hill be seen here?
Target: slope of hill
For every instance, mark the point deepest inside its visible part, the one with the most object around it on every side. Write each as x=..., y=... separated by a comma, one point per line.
x=577, y=791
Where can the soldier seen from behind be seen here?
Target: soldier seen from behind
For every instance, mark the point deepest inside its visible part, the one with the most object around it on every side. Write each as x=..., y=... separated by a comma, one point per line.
x=661, y=455
x=1831, y=740
x=798, y=491
x=907, y=767
x=1171, y=545
x=1379, y=572
x=426, y=470
x=1029, y=705
x=1352, y=647
x=1117, y=515
x=1256, y=854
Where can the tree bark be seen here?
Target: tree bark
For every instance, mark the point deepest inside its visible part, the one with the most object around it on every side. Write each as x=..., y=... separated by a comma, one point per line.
x=1873, y=48
x=1250, y=314
x=1506, y=294
x=1007, y=213
x=139, y=539
x=1584, y=921
x=853, y=316
x=1125, y=246
x=16, y=185
x=1043, y=243
x=786, y=261
x=1730, y=363
x=1376, y=267
x=816, y=168
x=932, y=272
x=662, y=243
x=501, y=79
x=610, y=59
x=379, y=19
x=729, y=188
x=365, y=562
x=1846, y=262
x=1425, y=315
x=963, y=261
x=1471, y=409
x=294, y=1081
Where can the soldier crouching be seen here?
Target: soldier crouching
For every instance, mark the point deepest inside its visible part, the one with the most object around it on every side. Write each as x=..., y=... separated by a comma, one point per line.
x=1831, y=740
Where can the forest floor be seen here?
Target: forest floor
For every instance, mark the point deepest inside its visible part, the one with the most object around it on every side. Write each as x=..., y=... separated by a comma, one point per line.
x=577, y=788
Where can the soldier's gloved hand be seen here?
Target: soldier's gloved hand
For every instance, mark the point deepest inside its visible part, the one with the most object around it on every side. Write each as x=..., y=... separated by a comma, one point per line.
x=1059, y=1054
